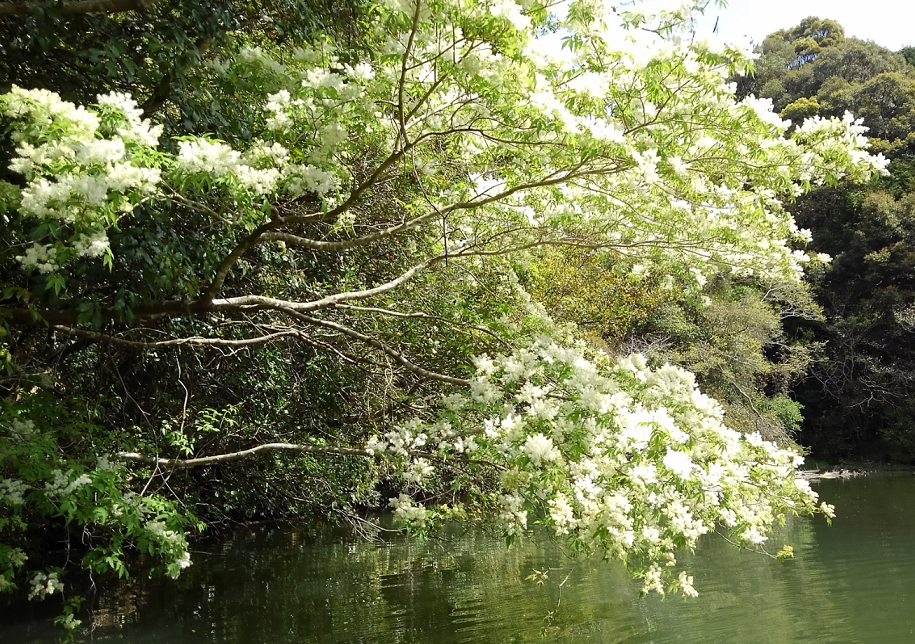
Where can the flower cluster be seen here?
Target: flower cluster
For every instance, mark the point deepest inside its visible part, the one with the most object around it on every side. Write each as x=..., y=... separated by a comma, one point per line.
x=13, y=491
x=44, y=584
x=84, y=497
x=22, y=429
x=618, y=458
x=407, y=512
x=699, y=169
x=219, y=161
x=82, y=167
x=64, y=483
x=175, y=541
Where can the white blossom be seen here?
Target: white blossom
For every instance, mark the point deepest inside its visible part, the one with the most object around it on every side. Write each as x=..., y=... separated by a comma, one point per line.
x=539, y=449
x=44, y=584
x=92, y=245
x=406, y=512
x=13, y=491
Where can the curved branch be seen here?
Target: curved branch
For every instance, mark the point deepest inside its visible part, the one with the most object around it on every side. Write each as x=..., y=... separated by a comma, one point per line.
x=263, y=302
x=183, y=464
x=226, y=265
x=403, y=72
x=157, y=344
x=554, y=178
x=188, y=463
x=347, y=244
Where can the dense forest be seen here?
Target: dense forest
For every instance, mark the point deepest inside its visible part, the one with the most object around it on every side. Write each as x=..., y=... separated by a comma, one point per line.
x=857, y=394
x=289, y=259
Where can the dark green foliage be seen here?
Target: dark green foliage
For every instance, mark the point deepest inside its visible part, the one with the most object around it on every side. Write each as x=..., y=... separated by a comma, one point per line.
x=858, y=400
x=152, y=51
x=909, y=54
x=156, y=55
x=184, y=401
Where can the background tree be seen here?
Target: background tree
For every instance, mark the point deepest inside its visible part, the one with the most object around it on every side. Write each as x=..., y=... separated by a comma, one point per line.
x=730, y=336
x=858, y=398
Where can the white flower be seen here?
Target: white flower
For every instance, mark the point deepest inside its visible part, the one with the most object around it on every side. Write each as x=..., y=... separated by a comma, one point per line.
x=22, y=429
x=754, y=536
x=70, y=623
x=454, y=402
x=106, y=465
x=184, y=561
x=202, y=156
x=562, y=514
x=762, y=108
x=360, y=72
x=158, y=529
x=276, y=105
x=375, y=445
x=13, y=491
x=679, y=463
x=419, y=470
x=510, y=10
x=465, y=444
x=44, y=585
x=93, y=245
x=406, y=512
x=686, y=585
x=590, y=83
x=134, y=128
x=653, y=580
x=300, y=179
x=644, y=475
x=100, y=151
x=256, y=56
x=754, y=439
x=512, y=516
x=122, y=177
x=539, y=449
x=17, y=557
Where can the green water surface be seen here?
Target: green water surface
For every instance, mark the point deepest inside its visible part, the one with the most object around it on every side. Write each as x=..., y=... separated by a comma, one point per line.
x=852, y=582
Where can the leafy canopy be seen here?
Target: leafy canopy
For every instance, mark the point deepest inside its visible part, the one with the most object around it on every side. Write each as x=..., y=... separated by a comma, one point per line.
x=452, y=138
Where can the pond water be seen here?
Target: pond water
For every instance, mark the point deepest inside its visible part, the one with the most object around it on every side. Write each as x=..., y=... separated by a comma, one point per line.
x=852, y=582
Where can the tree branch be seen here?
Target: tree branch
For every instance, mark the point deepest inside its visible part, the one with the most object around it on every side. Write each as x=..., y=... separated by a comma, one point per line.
x=427, y=316
x=263, y=302
x=157, y=344
x=183, y=464
x=554, y=178
x=226, y=265
x=403, y=74
x=188, y=463
x=378, y=344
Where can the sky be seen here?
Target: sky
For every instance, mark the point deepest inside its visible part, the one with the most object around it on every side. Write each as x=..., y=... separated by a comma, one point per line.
x=889, y=23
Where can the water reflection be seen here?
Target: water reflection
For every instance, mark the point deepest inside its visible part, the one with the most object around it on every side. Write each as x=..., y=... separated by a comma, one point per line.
x=848, y=583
